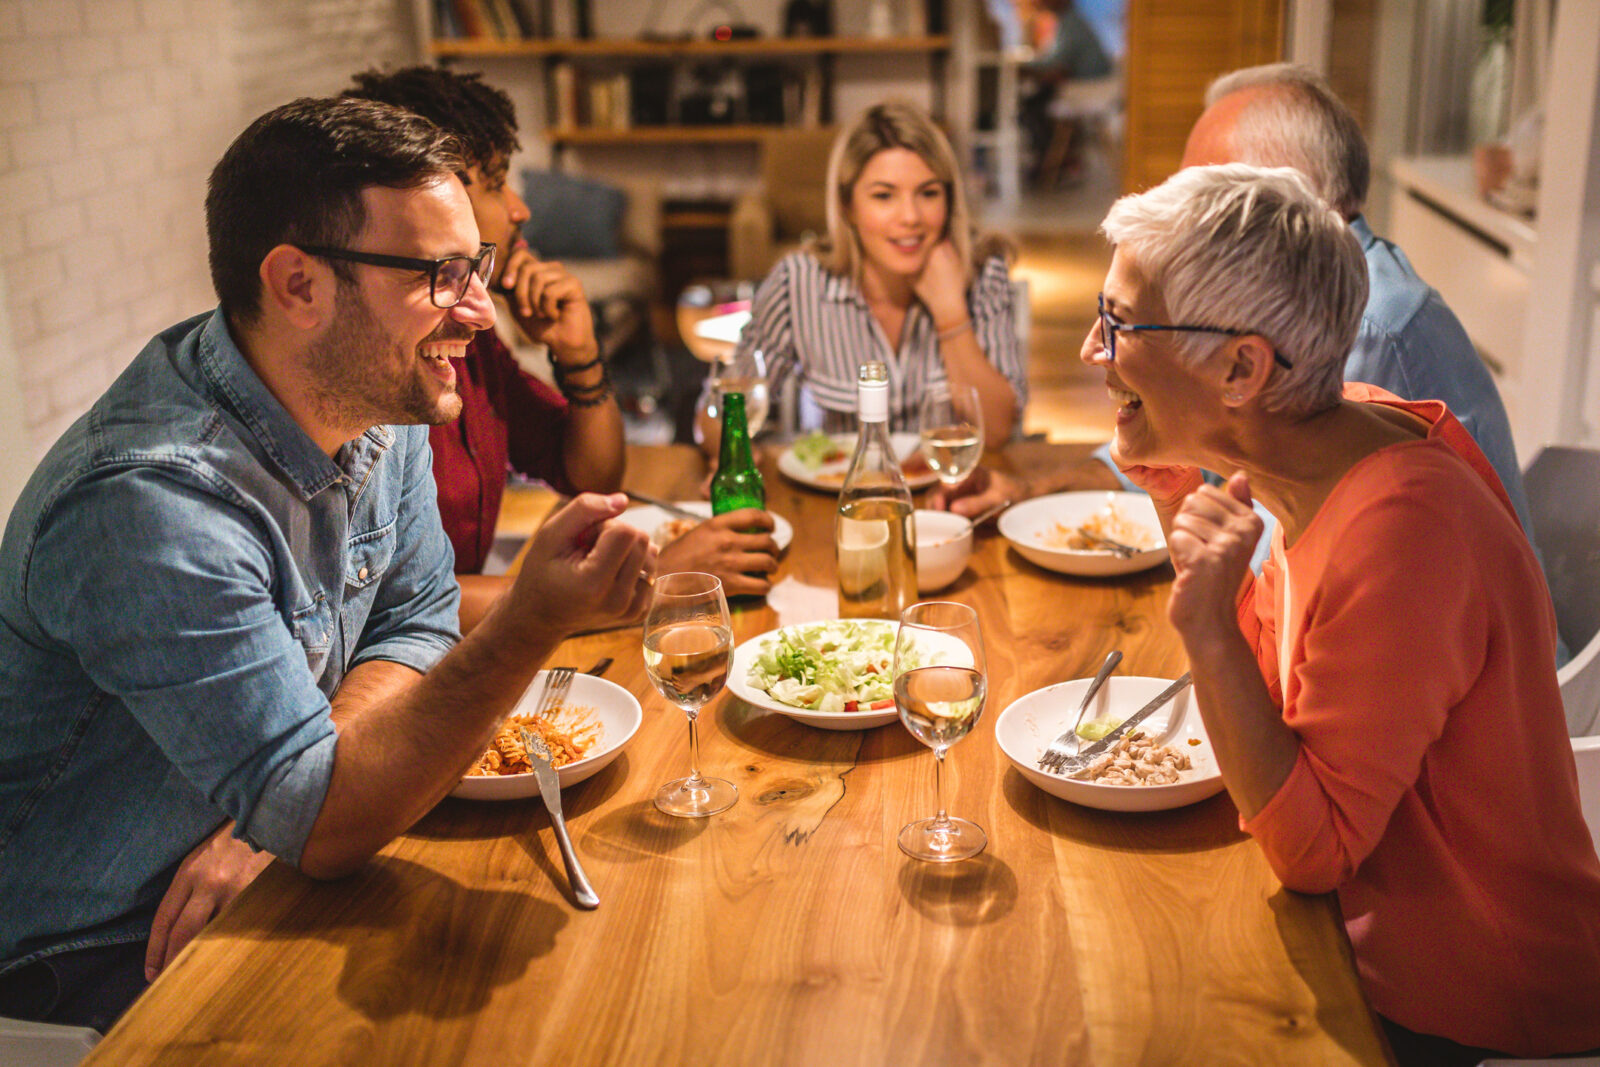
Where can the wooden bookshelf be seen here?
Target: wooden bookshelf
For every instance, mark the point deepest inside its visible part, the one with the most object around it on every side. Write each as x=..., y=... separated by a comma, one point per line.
x=628, y=48
x=564, y=64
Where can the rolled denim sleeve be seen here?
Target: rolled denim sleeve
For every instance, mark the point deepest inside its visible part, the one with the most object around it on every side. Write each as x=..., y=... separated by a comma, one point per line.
x=147, y=574
x=415, y=617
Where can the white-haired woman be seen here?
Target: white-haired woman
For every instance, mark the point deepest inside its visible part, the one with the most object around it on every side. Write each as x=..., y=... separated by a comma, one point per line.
x=1381, y=699
x=900, y=278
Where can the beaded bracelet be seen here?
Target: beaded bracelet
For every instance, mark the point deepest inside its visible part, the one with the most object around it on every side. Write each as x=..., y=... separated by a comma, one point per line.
x=561, y=370
x=587, y=395
x=592, y=401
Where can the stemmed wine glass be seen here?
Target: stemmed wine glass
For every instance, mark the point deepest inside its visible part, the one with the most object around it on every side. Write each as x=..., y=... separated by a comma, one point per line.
x=940, y=682
x=951, y=422
x=688, y=645
x=750, y=379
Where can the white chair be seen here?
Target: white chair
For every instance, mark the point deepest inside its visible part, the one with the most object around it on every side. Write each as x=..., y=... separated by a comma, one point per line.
x=25, y=1044
x=1563, y=486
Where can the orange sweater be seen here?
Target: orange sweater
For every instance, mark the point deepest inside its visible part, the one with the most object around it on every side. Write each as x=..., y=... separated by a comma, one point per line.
x=1435, y=787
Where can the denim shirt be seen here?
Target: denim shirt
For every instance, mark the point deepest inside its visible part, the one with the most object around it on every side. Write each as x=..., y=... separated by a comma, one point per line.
x=184, y=583
x=1412, y=344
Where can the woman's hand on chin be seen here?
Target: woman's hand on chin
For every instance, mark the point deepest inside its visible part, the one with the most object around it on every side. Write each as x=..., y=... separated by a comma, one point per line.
x=941, y=286
x=1212, y=538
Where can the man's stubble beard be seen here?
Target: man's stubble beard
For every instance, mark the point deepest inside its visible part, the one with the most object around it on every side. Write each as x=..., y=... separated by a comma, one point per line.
x=348, y=368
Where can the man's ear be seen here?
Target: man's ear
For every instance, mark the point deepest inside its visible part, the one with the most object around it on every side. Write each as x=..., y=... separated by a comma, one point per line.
x=1247, y=366
x=300, y=287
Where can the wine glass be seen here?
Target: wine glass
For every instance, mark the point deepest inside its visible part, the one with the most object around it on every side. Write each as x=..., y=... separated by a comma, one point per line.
x=952, y=431
x=723, y=378
x=688, y=645
x=940, y=682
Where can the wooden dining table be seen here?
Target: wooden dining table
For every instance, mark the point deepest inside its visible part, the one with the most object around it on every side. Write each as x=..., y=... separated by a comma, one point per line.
x=790, y=929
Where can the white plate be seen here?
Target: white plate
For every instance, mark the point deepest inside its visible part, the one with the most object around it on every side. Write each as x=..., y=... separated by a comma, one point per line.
x=647, y=517
x=1031, y=525
x=830, y=476
x=1026, y=728
x=745, y=654
x=619, y=714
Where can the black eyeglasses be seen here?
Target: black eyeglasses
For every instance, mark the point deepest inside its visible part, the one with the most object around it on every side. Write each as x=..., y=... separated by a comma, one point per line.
x=1110, y=327
x=448, y=278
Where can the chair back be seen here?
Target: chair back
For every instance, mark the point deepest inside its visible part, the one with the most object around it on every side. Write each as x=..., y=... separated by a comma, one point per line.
x=1563, y=486
x=30, y=1044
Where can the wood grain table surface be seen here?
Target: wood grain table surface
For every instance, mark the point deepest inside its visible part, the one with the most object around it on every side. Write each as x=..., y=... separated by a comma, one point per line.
x=791, y=929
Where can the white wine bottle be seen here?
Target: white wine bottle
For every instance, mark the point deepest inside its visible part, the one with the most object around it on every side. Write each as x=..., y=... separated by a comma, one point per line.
x=874, y=537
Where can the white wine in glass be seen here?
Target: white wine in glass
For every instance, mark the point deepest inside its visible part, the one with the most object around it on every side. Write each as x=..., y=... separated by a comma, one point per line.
x=952, y=431
x=940, y=699
x=688, y=646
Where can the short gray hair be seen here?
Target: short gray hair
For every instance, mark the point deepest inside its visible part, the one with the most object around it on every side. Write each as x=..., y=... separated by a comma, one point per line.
x=1299, y=122
x=1252, y=249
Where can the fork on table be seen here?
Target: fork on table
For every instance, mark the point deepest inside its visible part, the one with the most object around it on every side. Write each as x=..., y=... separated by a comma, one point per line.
x=557, y=683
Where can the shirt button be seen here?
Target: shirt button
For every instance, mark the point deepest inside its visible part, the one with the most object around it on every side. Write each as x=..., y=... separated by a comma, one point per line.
x=362, y=574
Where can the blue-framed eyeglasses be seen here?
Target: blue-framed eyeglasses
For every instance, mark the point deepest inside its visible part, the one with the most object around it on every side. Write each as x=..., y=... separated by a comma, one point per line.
x=448, y=278
x=1109, y=328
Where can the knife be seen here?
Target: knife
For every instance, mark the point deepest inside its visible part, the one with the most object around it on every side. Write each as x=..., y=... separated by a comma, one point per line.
x=665, y=505
x=550, y=789
x=1084, y=758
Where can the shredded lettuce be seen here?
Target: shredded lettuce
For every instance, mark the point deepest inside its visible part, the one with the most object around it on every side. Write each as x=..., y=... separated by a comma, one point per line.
x=814, y=449
x=824, y=666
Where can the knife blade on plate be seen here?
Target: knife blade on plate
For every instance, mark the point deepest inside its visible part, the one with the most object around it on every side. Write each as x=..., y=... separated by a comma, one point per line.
x=550, y=789
x=1082, y=759
x=665, y=505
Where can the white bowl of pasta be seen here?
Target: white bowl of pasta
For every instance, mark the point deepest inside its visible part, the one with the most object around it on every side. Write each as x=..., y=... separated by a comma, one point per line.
x=597, y=720
x=1053, y=532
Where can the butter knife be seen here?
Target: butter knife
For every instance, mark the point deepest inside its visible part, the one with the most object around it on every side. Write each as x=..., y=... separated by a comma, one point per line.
x=550, y=789
x=665, y=505
x=1087, y=756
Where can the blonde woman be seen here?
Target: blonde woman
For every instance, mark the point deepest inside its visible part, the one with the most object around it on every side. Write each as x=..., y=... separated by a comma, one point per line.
x=900, y=278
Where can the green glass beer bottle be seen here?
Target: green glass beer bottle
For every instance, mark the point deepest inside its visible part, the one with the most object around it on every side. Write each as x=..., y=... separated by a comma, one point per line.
x=737, y=483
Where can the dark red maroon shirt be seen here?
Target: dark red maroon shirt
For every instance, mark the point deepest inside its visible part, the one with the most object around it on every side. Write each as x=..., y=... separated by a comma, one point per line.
x=509, y=420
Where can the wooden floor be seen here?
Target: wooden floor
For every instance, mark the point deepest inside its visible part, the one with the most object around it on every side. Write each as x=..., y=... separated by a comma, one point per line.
x=1067, y=401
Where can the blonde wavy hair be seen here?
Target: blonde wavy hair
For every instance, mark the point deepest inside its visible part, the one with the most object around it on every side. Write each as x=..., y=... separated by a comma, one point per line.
x=895, y=124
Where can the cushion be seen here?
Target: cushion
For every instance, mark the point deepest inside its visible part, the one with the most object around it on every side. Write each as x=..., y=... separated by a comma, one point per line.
x=572, y=217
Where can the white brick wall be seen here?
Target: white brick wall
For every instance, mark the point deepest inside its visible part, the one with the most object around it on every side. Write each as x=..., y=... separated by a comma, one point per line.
x=112, y=113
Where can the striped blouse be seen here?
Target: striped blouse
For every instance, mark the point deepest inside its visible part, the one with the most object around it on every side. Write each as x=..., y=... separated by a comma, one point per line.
x=814, y=324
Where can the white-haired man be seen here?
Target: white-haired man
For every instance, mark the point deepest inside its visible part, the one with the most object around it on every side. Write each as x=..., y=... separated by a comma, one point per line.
x=1409, y=342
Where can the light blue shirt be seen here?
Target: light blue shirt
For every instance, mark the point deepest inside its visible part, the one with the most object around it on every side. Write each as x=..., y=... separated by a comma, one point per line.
x=184, y=583
x=1411, y=344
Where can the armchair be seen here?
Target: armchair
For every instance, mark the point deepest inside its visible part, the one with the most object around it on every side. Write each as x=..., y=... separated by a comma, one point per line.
x=789, y=204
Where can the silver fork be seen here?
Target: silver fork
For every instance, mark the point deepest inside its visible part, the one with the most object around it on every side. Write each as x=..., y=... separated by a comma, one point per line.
x=557, y=683
x=1058, y=753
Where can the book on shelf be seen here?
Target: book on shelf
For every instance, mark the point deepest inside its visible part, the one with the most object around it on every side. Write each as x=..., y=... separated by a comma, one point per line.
x=472, y=18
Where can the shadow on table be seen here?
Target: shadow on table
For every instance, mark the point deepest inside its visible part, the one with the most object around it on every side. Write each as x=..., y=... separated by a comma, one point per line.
x=776, y=735
x=1212, y=823
x=968, y=893
x=639, y=831
x=1305, y=941
x=399, y=925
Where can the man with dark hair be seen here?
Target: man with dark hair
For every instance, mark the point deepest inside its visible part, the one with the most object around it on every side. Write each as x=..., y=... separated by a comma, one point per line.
x=227, y=616
x=571, y=439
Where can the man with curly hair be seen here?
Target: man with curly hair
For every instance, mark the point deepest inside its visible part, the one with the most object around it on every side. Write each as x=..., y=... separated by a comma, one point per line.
x=571, y=439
